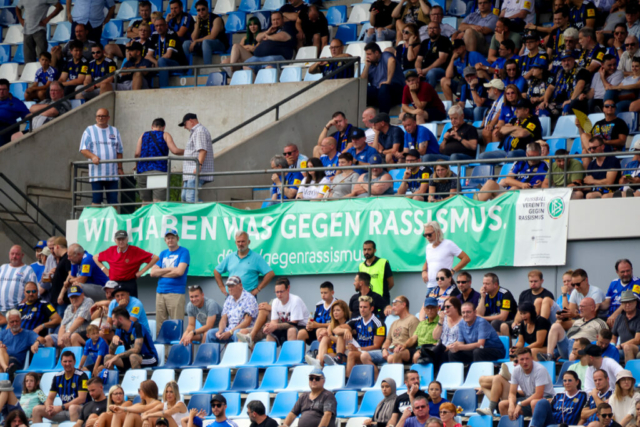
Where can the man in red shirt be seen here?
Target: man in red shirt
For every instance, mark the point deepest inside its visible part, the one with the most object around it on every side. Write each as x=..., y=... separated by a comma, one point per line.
x=421, y=99
x=124, y=262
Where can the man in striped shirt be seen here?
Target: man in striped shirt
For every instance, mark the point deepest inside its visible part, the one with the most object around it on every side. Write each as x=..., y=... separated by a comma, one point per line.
x=102, y=142
x=199, y=146
x=13, y=277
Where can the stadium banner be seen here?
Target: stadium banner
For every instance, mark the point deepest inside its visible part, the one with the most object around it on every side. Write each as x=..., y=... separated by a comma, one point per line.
x=521, y=228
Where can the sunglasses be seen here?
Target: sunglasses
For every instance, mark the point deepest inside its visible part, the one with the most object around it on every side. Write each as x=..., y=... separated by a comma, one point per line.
x=590, y=149
x=216, y=405
x=447, y=306
x=202, y=9
x=427, y=234
x=629, y=44
x=419, y=407
x=464, y=282
x=288, y=153
x=445, y=412
x=618, y=33
x=441, y=279
x=609, y=106
x=30, y=292
x=606, y=415
x=315, y=378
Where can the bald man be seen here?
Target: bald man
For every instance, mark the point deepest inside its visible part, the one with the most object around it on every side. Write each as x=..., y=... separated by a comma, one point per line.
x=102, y=140
x=13, y=277
x=329, y=157
x=367, y=115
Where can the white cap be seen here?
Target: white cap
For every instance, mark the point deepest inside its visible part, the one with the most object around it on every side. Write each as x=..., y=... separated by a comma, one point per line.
x=495, y=83
x=635, y=146
x=111, y=284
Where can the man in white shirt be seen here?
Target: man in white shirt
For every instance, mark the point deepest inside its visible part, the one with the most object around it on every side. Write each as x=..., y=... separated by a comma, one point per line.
x=581, y=290
x=13, y=277
x=624, y=65
x=519, y=10
x=595, y=362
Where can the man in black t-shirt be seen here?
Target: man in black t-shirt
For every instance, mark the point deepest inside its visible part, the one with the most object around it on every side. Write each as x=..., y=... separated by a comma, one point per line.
x=612, y=129
x=599, y=174
x=383, y=26
x=257, y=415
x=522, y=129
x=564, y=89
x=58, y=290
x=405, y=400
x=434, y=55
x=277, y=43
x=542, y=299
x=362, y=283
x=459, y=142
x=95, y=407
x=313, y=24
x=167, y=50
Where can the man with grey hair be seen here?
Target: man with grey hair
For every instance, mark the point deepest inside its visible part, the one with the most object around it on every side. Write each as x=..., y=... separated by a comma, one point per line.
x=14, y=343
x=286, y=189
x=416, y=415
x=246, y=264
x=86, y=274
x=460, y=141
x=13, y=277
x=592, y=54
x=200, y=146
x=624, y=65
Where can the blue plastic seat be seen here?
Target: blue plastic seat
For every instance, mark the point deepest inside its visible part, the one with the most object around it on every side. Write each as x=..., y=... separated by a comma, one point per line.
x=77, y=352
x=217, y=79
x=62, y=33
x=264, y=17
x=506, y=422
x=388, y=321
x=242, y=77
x=112, y=379
x=272, y=6
x=5, y=53
x=233, y=404
x=156, y=6
x=492, y=146
x=200, y=402
x=193, y=10
x=236, y=22
x=264, y=353
x=112, y=29
x=8, y=17
x=17, y=382
x=576, y=146
x=565, y=128
x=170, y=331
x=19, y=55
x=291, y=74
x=245, y=379
x=555, y=144
x=505, y=344
x=551, y=368
x=249, y=6
x=631, y=119
x=565, y=368
x=291, y=354
x=266, y=76
x=546, y=126
x=218, y=379
x=235, y=354
x=369, y=403
x=426, y=375
x=467, y=399
x=361, y=377
x=347, y=403
x=299, y=378
x=396, y=174
x=480, y=421
x=451, y=20
x=129, y=10
x=390, y=370
x=479, y=171
x=624, y=164
x=179, y=357
x=337, y=15
x=347, y=33
x=274, y=378
x=451, y=375
x=43, y=361
x=446, y=127
x=477, y=370
x=283, y=404
x=634, y=367
x=208, y=354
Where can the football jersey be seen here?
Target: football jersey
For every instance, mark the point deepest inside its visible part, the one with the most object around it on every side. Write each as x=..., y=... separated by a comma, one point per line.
x=502, y=300
x=592, y=405
x=74, y=69
x=567, y=409
x=107, y=66
x=68, y=388
x=616, y=288
x=422, y=175
x=36, y=314
x=44, y=77
x=138, y=331
x=367, y=331
x=323, y=315
x=170, y=42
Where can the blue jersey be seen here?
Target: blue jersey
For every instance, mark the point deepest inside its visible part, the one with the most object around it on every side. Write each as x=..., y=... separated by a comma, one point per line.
x=94, y=350
x=38, y=269
x=135, y=332
x=36, y=314
x=470, y=59
x=135, y=309
x=291, y=180
x=611, y=352
x=527, y=61
x=362, y=156
x=525, y=172
x=592, y=405
x=365, y=332
x=327, y=162
x=68, y=388
x=502, y=300
x=422, y=135
x=169, y=259
x=420, y=176
x=507, y=113
x=74, y=70
x=186, y=21
x=616, y=288
x=97, y=71
x=88, y=268
x=43, y=77
x=567, y=409
x=323, y=315
x=519, y=81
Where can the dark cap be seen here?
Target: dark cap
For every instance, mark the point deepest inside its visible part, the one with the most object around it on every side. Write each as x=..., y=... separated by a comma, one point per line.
x=430, y=302
x=120, y=288
x=380, y=117
x=356, y=133
x=469, y=71
x=186, y=117
x=219, y=398
x=135, y=46
x=524, y=103
x=413, y=152
x=591, y=350
x=566, y=55
x=531, y=36
x=410, y=74
x=632, y=8
x=121, y=234
x=540, y=63
x=162, y=421
x=375, y=160
x=74, y=291
x=458, y=43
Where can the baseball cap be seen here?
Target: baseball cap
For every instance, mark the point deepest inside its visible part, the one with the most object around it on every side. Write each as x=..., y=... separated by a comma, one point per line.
x=74, y=291
x=411, y=74
x=317, y=371
x=540, y=63
x=121, y=234
x=430, y=302
x=188, y=116
x=524, y=103
x=635, y=146
x=111, y=284
x=591, y=350
x=531, y=36
x=565, y=55
x=413, y=152
x=219, y=398
x=171, y=231
x=45, y=251
x=496, y=84
x=628, y=296
x=120, y=288
x=632, y=8
x=458, y=43
x=469, y=71
x=375, y=160
x=380, y=117
x=357, y=133
x=135, y=46
x=40, y=245
x=233, y=281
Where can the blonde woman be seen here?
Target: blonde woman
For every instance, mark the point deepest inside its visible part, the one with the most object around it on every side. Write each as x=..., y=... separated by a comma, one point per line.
x=131, y=416
x=623, y=399
x=114, y=398
x=440, y=254
x=340, y=314
x=443, y=181
x=172, y=409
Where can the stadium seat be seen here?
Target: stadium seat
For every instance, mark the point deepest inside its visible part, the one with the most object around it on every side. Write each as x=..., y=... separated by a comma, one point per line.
x=337, y=15
x=565, y=367
x=152, y=328
x=546, y=126
x=260, y=396
x=363, y=31
x=347, y=33
x=266, y=76
x=128, y=10
x=388, y=321
x=476, y=370
x=480, y=421
x=466, y=399
x=264, y=352
x=46, y=380
x=131, y=381
x=208, y=355
x=43, y=361
x=235, y=354
x=160, y=350
x=179, y=356
x=291, y=354
x=457, y=8
x=291, y=74
x=565, y=128
x=359, y=13
x=156, y=6
x=274, y=378
x=426, y=375
x=493, y=146
x=506, y=422
x=347, y=403
x=356, y=422
x=190, y=381
x=264, y=17
x=236, y=22
x=249, y=6
x=200, y=402
x=245, y=379
x=112, y=379
x=595, y=117
x=576, y=146
x=218, y=379
x=233, y=404
x=77, y=351
x=75, y=103
x=162, y=377
x=308, y=77
x=361, y=377
x=390, y=370
x=272, y=6
x=631, y=119
x=18, y=56
x=451, y=20
x=112, y=29
x=451, y=375
x=170, y=332
x=217, y=79
x=8, y=17
x=551, y=368
x=555, y=144
x=308, y=52
x=299, y=378
x=396, y=174
x=5, y=53
x=15, y=35
x=385, y=45
x=41, y=425
x=446, y=127
x=479, y=171
x=634, y=367
x=624, y=164
x=505, y=343
x=17, y=384
x=242, y=77
x=9, y=71
x=356, y=49
x=369, y=403
x=283, y=404
x=224, y=6
x=334, y=377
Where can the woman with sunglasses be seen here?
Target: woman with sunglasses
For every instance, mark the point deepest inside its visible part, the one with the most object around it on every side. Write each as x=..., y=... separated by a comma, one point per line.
x=114, y=398
x=511, y=75
x=446, y=288
x=340, y=314
x=623, y=399
x=565, y=407
x=440, y=254
x=242, y=51
x=131, y=416
x=407, y=52
x=448, y=415
x=446, y=330
x=508, y=111
x=534, y=331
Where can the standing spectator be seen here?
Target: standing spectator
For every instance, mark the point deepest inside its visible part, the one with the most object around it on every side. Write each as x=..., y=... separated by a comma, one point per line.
x=124, y=262
x=85, y=273
x=180, y=22
x=382, y=24
x=11, y=109
x=102, y=142
x=247, y=265
x=91, y=15
x=208, y=34
x=32, y=15
x=134, y=306
x=99, y=67
x=440, y=253
x=627, y=326
x=45, y=75
x=315, y=408
x=434, y=55
x=37, y=316
x=240, y=311
x=342, y=135
x=172, y=269
x=601, y=173
x=154, y=143
x=15, y=342
x=503, y=32
x=477, y=340
x=384, y=76
x=612, y=129
x=410, y=12
x=276, y=43
x=200, y=146
x=379, y=269
x=460, y=141
x=626, y=281
x=60, y=281
x=13, y=278
x=139, y=351
x=477, y=28
x=167, y=50
x=596, y=361
x=203, y=310
x=421, y=99
x=74, y=324
x=418, y=138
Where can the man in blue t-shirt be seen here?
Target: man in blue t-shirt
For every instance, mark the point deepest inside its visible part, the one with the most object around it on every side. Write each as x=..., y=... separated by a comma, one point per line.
x=15, y=342
x=361, y=151
x=385, y=78
x=218, y=410
x=139, y=351
x=319, y=322
x=626, y=281
x=418, y=137
x=122, y=298
x=11, y=109
x=291, y=180
x=477, y=340
x=86, y=274
x=460, y=59
x=38, y=266
x=172, y=269
x=388, y=139
x=329, y=157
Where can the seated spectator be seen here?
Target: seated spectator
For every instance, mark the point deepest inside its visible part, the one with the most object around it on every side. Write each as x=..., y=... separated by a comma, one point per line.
x=291, y=180
x=433, y=56
x=563, y=94
x=599, y=173
x=506, y=52
x=61, y=54
x=362, y=285
x=612, y=129
x=340, y=315
x=503, y=32
x=11, y=109
x=555, y=177
x=77, y=315
x=477, y=340
x=421, y=99
x=329, y=156
x=410, y=12
x=626, y=92
x=314, y=27
x=276, y=43
x=388, y=139
x=617, y=47
x=541, y=298
x=467, y=293
x=295, y=160
x=70, y=386
x=606, y=73
x=580, y=367
x=631, y=175
x=86, y=274
x=519, y=13
x=90, y=412
x=144, y=12
x=95, y=350
x=242, y=51
x=379, y=183
x=154, y=143
x=317, y=407
x=555, y=43
x=336, y=48
x=443, y=183
x=532, y=44
x=342, y=136
x=360, y=151
x=56, y=91
x=133, y=305
x=384, y=410
x=605, y=416
x=98, y=68
x=571, y=45
x=462, y=64
x=44, y=76
x=533, y=331
x=37, y=315
x=112, y=50
x=423, y=341
x=495, y=92
x=578, y=280
x=632, y=51
x=384, y=76
x=314, y=183
x=418, y=138
x=74, y=70
x=582, y=14
x=604, y=342
x=537, y=84
x=512, y=74
x=15, y=342
x=31, y=396
x=382, y=23
x=258, y=415
x=445, y=288
x=592, y=54
x=496, y=305
x=565, y=407
x=437, y=15
x=477, y=28
x=148, y=393
x=181, y=23
x=344, y=179
x=415, y=179
x=627, y=326
x=595, y=361
x=407, y=51
x=622, y=401
x=319, y=322
x=239, y=311
x=522, y=129
x=600, y=394
x=368, y=114
x=136, y=80
x=512, y=98
x=172, y=409
x=405, y=401
x=459, y=142
x=140, y=351
x=208, y=34
x=417, y=414
x=524, y=175
x=202, y=310
x=167, y=50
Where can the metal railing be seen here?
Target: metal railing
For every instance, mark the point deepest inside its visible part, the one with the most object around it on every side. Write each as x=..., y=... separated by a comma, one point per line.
x=461, y=186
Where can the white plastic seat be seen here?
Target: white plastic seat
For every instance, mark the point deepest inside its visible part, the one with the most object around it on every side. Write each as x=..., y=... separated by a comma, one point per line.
x=29, y=72
x=46, y=380
x=326, y=52
x=242, y=77
x=14, y=35
x=224, y=6
x=291, y=74
x=236, y=354
x=266, y=76
x=356, y=49
x=190, y=381
x=359, y=13
x=477, y=370
x=152, y=329
x=356, y=422
x=334, y=377
x=299, y=379
x=384, y=45
x=262, y=396
x=131, y=381
x=312, y=77
x=451, y=375
x=309, y=52
x=9, y=71
x=160, y=350
x=161, y=377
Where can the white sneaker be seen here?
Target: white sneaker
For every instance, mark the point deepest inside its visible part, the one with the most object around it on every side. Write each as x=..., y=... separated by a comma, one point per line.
x=312, y=361
x=245, y=338
x=484, y=411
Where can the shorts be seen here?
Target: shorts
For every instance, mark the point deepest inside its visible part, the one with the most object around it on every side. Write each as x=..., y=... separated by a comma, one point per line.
x=54, y=337
x=151, y=194
x=281, y=334
x=128, y=85
x=376, y=357
x=7, y=409
x=412, y=351
x=564, y=347
x=526, y=410
x=312, y=336
x=146, y=363
x=61, y=417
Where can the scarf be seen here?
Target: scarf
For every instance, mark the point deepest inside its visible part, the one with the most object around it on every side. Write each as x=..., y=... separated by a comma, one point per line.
x=384, y=410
